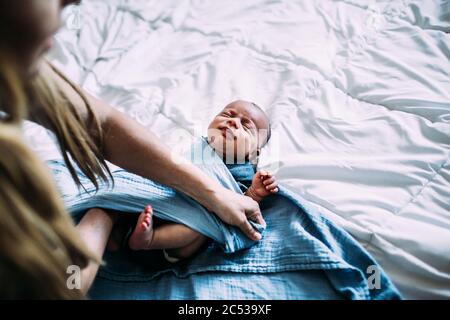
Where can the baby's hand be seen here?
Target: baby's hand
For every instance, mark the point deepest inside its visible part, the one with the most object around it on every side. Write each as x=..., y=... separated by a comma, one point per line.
x=263, y=184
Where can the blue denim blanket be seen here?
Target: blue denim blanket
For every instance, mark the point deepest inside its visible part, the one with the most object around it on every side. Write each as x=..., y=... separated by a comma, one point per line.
x=131, y=193
x=302, y=254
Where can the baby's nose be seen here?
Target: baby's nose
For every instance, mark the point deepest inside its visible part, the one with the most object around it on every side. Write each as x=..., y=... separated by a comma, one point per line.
x=232, y=122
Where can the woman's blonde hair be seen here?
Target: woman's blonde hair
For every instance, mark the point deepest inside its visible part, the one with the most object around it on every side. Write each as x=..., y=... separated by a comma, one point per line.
x=12, y=92
x=79, y=140
x=41, y=99
x=37, y=238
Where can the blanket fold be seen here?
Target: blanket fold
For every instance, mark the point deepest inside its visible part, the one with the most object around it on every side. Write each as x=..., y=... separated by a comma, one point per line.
x=297, y=238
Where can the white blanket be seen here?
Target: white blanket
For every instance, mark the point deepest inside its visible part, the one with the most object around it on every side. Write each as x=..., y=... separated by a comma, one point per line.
x=358, y=93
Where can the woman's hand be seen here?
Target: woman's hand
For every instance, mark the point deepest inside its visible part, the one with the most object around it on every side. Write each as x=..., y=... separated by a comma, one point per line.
x=236, y=209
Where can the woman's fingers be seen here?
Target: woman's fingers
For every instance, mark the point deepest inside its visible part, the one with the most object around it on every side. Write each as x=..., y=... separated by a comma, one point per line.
x=249, y=231
x=237, y=210
x=268, y=181
x=257, y=217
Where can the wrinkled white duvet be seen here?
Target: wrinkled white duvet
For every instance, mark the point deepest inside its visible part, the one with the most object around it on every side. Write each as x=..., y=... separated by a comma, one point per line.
x=358, y=93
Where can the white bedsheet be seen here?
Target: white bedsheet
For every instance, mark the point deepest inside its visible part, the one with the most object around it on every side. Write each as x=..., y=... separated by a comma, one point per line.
x=358, y=93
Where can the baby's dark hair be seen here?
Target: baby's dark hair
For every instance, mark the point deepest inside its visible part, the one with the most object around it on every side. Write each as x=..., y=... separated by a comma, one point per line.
x=269, y=130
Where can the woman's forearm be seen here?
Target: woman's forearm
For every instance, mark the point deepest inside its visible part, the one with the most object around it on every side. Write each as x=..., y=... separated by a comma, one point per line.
x=94, y=228
x=135, y=149
x=130, y=146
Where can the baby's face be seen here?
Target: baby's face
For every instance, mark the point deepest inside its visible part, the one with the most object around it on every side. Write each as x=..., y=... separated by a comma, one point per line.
x=238, y=131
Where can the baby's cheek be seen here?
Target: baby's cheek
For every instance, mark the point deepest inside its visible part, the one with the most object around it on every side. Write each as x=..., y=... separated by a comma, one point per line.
x=251, y=146
x=241, y=147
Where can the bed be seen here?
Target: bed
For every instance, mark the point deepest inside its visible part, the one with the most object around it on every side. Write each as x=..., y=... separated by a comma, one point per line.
x=358, y=93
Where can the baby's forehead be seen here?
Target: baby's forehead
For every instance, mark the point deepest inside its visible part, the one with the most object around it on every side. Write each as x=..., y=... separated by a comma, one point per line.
x=250, y=111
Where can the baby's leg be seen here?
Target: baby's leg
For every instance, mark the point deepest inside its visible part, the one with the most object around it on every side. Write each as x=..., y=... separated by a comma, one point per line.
x=174, y=236
x=167, y=236
x=188, y=250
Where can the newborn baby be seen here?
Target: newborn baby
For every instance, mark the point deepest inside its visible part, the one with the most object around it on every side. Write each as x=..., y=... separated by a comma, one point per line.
x=236, y=134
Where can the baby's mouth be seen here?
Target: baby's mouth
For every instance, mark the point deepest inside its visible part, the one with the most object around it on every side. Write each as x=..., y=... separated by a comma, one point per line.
x=227, y=133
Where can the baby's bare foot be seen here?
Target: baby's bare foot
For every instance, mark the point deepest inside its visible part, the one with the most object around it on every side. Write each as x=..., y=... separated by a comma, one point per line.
x=142, y=236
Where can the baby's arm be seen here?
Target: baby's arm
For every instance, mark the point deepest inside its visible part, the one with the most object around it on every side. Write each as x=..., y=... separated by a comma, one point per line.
x=263, y=184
